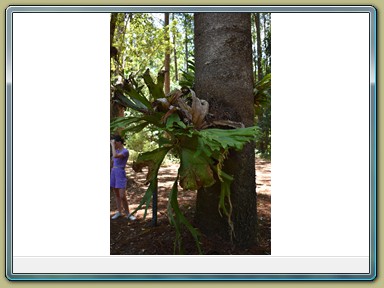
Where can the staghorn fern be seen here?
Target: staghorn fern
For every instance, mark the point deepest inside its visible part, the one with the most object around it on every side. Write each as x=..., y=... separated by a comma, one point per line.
x=201, y=149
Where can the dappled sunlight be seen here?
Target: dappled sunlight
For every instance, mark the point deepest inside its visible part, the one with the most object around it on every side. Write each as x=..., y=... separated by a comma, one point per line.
x=263, y=176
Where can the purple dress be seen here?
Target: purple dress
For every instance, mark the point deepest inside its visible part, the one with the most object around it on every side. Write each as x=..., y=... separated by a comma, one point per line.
x=118, y=177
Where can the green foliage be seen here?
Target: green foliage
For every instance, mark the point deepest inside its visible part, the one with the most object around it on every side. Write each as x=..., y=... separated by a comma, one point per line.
x=178, y=220
x=262, y=100
x=155, y=89
x=153, y=160
x=262, y=93
x=142, y=41
x=195, y=172
x=201, y=152
x=145, y=140
x=262, y=89
x=188, y=76
x=217, y=139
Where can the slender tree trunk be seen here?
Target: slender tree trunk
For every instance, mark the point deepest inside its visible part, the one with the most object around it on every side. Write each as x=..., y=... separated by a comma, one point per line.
x=122, y=44
x=167, y=80
x=115, y=110
x=112, y=27
x=254, y=51
x=265, y=36
x=267, y=42
x=258, y=40
x=255, y=62
x=264, y=25
x=186, y=42
x=113, y=52
x=174, y=52
x=224, y=77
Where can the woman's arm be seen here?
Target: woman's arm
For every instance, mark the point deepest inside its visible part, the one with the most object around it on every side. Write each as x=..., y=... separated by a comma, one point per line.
x=114, y=153
x=113, y=148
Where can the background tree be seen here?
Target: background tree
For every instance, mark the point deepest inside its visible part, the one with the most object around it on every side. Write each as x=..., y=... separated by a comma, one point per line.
x=187, y=20
x=223, y=55
x=267, y=41
x=139, y=42
x=175, y=51
x=167, y=60
x=258, y=41
x=261, y=36
x=143, y=40
x=116, y=109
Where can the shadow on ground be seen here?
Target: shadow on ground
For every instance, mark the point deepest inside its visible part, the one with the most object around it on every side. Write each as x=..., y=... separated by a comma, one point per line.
x=141, y=238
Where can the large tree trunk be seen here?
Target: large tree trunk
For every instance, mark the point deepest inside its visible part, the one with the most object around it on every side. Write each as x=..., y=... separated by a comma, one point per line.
x=224, y=78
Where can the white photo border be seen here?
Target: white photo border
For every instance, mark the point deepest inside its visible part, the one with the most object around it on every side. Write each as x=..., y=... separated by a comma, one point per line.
x=199, y=277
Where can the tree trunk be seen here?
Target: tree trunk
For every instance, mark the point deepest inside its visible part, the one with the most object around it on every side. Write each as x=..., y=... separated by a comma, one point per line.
x=186, y=43
x=175, y=52
x=254, y=51
x=167, y=60
x=224, y=77
x=258, y=41
x=265, y=36
x=127, y=18
x=112, y=27
x=267, y=42
x=116, y=110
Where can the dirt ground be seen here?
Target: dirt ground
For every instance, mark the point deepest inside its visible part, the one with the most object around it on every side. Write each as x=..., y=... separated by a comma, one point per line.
x=139, y=237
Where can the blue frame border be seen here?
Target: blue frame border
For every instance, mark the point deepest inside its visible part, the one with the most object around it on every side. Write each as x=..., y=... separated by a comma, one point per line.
x=195, y=277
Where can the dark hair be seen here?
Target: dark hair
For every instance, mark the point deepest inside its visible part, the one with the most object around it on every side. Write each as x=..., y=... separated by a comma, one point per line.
x=118, y=138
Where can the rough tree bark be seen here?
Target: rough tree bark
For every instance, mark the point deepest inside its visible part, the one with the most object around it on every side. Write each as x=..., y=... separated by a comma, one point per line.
x=224, y=77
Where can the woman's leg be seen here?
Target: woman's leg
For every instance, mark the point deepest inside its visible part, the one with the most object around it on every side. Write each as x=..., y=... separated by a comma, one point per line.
x=116, y=192
x=118, y=204
x=123, y=200
x=118, y=199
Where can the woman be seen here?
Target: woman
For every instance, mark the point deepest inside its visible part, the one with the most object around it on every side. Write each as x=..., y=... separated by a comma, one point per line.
x=118, y=178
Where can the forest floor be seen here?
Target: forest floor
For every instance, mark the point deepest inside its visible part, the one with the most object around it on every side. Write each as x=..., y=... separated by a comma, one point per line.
x=139, y=237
